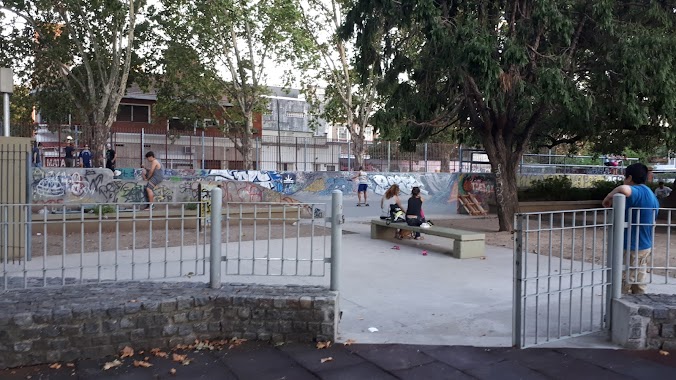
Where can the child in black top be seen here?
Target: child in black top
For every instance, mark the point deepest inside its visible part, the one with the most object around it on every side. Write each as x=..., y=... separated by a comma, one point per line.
x=414, y=213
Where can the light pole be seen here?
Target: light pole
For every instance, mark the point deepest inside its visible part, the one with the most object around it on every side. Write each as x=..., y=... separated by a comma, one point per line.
x=6, y=88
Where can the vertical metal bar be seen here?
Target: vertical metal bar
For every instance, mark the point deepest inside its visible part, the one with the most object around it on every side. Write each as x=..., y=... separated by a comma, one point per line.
x=180, y=249
x=571, y=275
x=336, y=236
x=239, y=241
x=44, y=248
x=426, y=158
x=312, y=240
x=5, y=248
x=82, y=239
x=668, y=265
x=283, y=237
x=537, y=277
x=560, y=289
x=518, y=338
x=166, y=238
x=255, y=237
x=389, y=154
x=117, y=238
x=298, y=208
x=98, y=256
x=619, y=203
x=549, y=274
x=63, y=248
x=6, y=113
x=150, y=240
x=267, y=271
x=526, y=277
x=349, y=158
x=215, y=254
x=133, y=243
x=584, y=256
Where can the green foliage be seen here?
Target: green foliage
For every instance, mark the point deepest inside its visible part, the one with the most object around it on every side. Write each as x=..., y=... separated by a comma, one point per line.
x=105, y=209
x=560, y=188
x=517, y=74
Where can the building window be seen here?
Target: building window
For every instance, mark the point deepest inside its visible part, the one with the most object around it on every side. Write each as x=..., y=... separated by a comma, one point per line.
x=330, y=168
x=342, y=133
x=297, y=115
x=133, y=113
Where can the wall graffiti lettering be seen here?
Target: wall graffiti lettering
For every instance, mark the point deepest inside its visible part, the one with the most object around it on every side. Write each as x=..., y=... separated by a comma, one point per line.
x=405, y=182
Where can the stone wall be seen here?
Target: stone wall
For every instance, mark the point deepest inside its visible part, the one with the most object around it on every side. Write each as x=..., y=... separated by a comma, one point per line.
x=646, y=321
x=93, y=321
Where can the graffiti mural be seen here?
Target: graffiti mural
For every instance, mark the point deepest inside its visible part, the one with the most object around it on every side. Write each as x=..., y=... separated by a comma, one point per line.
x=68, y=184
x=481, y=185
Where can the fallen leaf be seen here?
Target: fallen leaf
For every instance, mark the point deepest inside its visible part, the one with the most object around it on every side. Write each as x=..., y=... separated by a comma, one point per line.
x=329, y=359
x=322, y=345
x=70, y=365
x=159, y=353
x=133, y=301
x=664, y=353
x=186, y=361
x=146, y=358
x=142, y=363
x=172, y=371
x=178, y=358
x=113, y=364
x=349, y=342
x=127, y=352
x=55, y=366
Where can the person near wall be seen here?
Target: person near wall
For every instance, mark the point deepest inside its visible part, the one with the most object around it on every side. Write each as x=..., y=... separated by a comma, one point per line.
x=363, y=186
x=389, y=203
x=662, y=192
x=36, y=155
x=638, y=240
x=111, y=158
x=414, y=212
x=69, y=156
x=86, y=157
x=153, y=174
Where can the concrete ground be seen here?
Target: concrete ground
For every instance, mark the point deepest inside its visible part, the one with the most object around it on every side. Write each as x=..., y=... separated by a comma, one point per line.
x=362, y=361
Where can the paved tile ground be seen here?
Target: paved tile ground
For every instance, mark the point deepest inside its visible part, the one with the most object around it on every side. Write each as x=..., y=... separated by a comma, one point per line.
x=365, y=361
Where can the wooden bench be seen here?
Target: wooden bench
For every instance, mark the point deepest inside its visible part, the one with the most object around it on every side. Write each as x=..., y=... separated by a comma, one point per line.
x=466, y=244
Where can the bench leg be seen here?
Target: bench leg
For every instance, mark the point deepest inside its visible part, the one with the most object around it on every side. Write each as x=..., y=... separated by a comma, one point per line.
x=378, y=232
x=463, y=249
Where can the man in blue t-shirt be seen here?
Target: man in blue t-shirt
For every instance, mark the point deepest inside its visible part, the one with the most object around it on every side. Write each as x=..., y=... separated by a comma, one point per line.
x=638, y=240
x=86, y=157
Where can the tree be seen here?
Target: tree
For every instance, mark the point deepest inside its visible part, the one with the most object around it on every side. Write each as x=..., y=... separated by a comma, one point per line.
x=243, y=38
x=515, y=73
x=82, y=51
x=348, y=101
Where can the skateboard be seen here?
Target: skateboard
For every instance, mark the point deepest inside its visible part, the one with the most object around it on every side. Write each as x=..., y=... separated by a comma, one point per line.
x=364, y=204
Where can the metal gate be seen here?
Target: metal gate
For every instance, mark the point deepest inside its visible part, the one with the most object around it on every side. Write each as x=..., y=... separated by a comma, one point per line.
x=562, y=275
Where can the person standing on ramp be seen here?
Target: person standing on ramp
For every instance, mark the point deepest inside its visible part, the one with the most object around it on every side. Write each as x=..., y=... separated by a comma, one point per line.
x=154, y=175
x=363, y=186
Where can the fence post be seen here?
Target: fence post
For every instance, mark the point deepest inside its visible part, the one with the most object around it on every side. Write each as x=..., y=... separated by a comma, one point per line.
x=619, y=204
x=426, y=158
x=215, y=251
x=337, y=220
x=517, y=304
x=389, y=154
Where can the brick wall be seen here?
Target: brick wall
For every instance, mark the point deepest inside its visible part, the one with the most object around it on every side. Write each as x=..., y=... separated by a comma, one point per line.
x=645, y=321
x=93, y=321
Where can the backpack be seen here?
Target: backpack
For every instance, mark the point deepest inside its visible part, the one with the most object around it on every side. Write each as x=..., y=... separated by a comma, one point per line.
x=397, y=215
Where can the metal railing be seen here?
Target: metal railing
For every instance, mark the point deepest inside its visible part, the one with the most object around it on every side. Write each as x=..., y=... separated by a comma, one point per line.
x=654, y=264
x=188, y=241
x=561, y=275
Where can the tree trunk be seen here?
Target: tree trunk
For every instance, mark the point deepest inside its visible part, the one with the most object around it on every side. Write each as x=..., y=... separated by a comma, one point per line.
x=100, y=137
x=358, y=149
x=445, y=159
x=504, y=163
x=246, y=151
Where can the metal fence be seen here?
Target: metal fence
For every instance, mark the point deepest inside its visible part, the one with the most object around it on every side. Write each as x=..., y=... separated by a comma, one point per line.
x=652, y=269
x=185, y=241
x=561, y=274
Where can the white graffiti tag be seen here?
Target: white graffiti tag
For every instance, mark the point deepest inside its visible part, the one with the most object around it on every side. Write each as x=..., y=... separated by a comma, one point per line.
x=260, y=178
x=405, y=183
x=58, y=184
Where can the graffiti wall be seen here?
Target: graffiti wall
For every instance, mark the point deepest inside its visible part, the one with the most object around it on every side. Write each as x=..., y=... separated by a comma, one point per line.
x=77, y=186
x=481, y=185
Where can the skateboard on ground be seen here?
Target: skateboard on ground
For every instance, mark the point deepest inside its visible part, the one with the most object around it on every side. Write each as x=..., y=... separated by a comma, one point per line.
x=364, y=204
